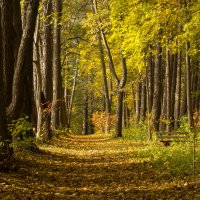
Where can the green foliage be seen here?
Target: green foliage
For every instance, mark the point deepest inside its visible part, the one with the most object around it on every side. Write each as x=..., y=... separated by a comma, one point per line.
x=137, y=133
x=21, y=130
x=176, y=160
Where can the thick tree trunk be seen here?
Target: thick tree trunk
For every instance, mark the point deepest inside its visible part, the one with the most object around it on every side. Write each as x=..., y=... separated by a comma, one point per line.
x=156, y=109
x=8, y=47
x=17, y=25
x=5, y=136
x=56, y=65
x=14, y=108
x=47, y=66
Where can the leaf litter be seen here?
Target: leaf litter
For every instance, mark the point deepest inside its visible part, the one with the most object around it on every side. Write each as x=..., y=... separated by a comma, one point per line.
x=92, y=167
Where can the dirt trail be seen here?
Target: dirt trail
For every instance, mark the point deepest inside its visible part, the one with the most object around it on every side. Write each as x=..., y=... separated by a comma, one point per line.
x=90, y=167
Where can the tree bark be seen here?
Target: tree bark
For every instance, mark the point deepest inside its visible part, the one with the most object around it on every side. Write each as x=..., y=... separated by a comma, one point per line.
x=188, y=75
x=156, y=109
x=8, y=47
x=143, y=101
x=178, y=91
x=47, y=67
x=150, y=77
x=85, y=114
x=138, y=102
x=56, y=65
x=13, y=111
x=168, y=91
x=105, y=83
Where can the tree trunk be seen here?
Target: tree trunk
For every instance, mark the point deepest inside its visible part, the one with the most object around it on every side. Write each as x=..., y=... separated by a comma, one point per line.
x=150, y=77
x=156, y=109
x=143, y=101
x=56, y=65
x=188, y=75
x=105, y=83
x=71, y=100
x=47, y=66
x=13, y=111
x=17, y=25
x=120, y=91
x=178, y=91
x=168, y=91
x=173, y=88
x=8, y=47
x=5, y=136
x=138, y=102
x=184, y=98
x=119, y=113
x=85, y=114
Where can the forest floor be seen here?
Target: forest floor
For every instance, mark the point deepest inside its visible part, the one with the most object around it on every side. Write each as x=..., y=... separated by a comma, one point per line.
x=92, y=167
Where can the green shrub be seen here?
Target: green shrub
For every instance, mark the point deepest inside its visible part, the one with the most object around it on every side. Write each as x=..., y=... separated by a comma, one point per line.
x=21, y=130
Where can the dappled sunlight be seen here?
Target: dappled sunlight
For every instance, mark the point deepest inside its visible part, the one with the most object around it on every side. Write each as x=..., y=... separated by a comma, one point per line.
x=91, y=167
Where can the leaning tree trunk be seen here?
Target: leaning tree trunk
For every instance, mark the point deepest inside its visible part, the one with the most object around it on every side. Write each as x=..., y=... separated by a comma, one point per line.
x=106, y=92
x=56, y=65
x=13, y=111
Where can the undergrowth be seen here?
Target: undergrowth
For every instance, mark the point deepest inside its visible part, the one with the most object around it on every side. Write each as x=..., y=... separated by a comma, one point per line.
x=176, y=160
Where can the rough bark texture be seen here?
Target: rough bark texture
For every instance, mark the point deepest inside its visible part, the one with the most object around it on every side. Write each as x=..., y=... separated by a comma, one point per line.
x=8, y=47
x=47, y=66
x=14, y=108
x=56, y=65
x=17, y=25
x=156, y=109
x=5, y=136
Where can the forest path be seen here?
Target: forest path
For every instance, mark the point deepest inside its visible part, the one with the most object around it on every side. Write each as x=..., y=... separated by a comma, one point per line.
x=90, y=167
